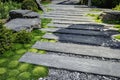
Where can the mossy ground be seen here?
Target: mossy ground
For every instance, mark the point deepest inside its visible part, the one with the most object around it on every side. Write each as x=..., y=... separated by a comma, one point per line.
x=12, y=69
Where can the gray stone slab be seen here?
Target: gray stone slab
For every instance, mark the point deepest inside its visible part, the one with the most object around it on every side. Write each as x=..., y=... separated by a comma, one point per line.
x=31, y=15
x=73, y=22
x=65, y=16
x=92, y=40
x=79, y=49
x=18, y=13
x=79, y=26
x=75, y=64
x=80, y=32
x=23, y=24
x=71, y=19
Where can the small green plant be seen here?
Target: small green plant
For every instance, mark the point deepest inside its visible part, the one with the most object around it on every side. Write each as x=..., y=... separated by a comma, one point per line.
x=33, y=50
x=44, y=22
x=117, y=7
x=23, y=37
x=23, y=67
x=13, y=64
x=21, y=51
x=30, y=5
x=13, y=73
x=117, y=26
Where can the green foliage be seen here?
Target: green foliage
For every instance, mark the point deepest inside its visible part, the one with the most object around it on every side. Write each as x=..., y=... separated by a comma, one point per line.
x=117, y=36
x=17, y=46
x=8, y=53
x=2, y=71
x=6, y=39
x=23, y=37
x=30, y=5
x=117, y=26
x=44, y=22
x=117, y=7
x=24, y=76
x=42, y=51
x=5, y=7
x=40, y=71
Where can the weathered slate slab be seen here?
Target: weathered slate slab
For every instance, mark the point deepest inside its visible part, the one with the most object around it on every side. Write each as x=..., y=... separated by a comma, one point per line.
x=75, y=64
x=71, y=19
x=72, y=22
x=23, y=24
x=79, y=49
x=78, y=26
x=80, y=32
x=93, y=40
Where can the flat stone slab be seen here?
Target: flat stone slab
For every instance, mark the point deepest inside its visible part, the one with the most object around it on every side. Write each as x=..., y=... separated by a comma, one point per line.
x=78, y=49
x=80, y=32
x=71, y=19
x=74, y=64
x=23, y=24
x=79, y=26
x=92, y=40
x=72, y=22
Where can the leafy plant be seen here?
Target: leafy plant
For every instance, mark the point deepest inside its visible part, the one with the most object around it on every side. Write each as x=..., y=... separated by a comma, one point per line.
x=117, y=7
x=23, y=37
x=30, y=4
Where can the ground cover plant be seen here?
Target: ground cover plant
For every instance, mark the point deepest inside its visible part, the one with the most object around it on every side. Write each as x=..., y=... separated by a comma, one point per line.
x=14, y=44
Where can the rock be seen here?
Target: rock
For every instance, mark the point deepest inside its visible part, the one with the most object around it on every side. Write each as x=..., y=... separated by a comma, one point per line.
x=18, y=13
x=23, y=14
x=110, y=16
x=23, y=24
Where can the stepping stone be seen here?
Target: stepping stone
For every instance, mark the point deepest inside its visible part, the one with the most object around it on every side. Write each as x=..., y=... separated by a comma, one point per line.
x=78, y=49
x=73, y=64
x=91, y=40
x=23, y=24
x=71, y=19
x=73, y=22
x=79, y=26
x=65, y=14
x=80, y=32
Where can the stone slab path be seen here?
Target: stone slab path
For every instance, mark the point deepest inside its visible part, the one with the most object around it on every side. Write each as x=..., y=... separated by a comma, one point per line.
x=83, y=46
x=75, y=64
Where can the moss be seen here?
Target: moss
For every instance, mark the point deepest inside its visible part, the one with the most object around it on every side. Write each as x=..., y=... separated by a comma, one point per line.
x=40, y=71
x=24, y=76
x=23, y=67
x=42, y=51
x=11, y=78
x=8, y=53
x=2, y=61
x=13, y=64
x=27, y=45
x=117, y=26
x=17, y=46
x=33, y=50
x=20, y=51
x=13, y=73
x=2, y=71
x=16, y=57
x=117, y=36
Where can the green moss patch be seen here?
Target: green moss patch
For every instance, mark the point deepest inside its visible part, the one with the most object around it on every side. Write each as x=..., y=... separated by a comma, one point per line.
x=41, y=52
x=40, y=71
x=17, y=46
x=13, y=73
x=24, y=76
x=13, y=64
x=117, y=37
x=2, y=61
x=2, y=71
x=33, y=50
x=27, y=45
x=23, y=67
x=20, y=51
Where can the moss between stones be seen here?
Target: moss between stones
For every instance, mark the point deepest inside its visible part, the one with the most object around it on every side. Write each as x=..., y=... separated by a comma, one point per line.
x=23, y=67
x=13, y=64
x=24, y=76
x=2, y=71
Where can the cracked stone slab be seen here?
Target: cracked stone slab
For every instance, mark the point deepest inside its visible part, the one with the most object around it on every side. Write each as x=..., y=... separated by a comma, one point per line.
x=23, y=24
x=74, y=64
x=80, y=32
x=78, y=49
x=92, y=40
